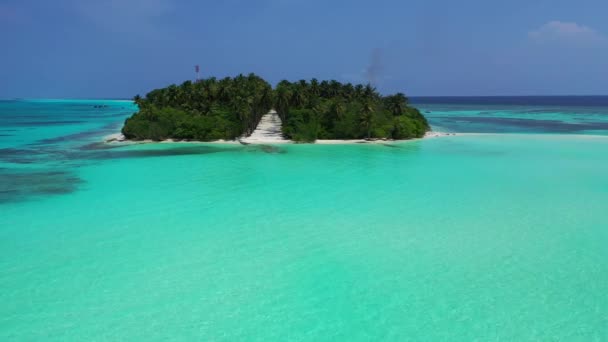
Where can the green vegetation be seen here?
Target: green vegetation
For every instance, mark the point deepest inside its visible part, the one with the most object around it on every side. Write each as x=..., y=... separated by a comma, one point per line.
x=205, y=110
x=332, y=110
x=232, y=107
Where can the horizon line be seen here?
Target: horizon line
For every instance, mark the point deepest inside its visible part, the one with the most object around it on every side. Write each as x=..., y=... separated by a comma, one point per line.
x=409, y=96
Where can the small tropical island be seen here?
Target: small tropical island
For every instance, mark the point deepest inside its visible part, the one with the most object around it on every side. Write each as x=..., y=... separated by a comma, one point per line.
x=232, y=108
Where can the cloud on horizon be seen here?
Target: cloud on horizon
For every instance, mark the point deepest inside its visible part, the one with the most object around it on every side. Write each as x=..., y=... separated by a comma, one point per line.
x=561, y=31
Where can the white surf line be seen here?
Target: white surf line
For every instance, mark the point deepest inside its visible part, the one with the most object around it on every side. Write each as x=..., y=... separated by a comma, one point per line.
x=433, y=134
x=268, y=131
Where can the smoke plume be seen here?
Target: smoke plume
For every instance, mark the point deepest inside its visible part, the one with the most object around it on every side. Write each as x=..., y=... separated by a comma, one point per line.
x=375, y=67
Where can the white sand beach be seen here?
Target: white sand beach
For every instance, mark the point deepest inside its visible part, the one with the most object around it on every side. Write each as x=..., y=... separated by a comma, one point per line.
x=116, y=137
x=269, y=131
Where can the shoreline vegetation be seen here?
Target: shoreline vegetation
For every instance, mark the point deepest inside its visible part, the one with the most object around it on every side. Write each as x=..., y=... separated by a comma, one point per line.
x=310, y=111
x=119, y=138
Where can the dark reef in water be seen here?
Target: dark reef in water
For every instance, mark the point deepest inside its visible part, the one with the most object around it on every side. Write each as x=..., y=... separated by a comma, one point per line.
x=79, y=136
x=16, y=185
x=586, y=101
x=19, y=184
x=52, y=123
x=21, y=155
x=150, y=153
x=101, y=151
x=269, y=149
x=547, y=125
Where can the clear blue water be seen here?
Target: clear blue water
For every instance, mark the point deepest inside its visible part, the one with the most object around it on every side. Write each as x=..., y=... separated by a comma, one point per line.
x=498, y=236
x=554, y=115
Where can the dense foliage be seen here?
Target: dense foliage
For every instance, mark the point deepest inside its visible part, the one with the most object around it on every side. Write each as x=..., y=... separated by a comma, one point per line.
x=332, y=110
x=232, y=107
x=210, y=109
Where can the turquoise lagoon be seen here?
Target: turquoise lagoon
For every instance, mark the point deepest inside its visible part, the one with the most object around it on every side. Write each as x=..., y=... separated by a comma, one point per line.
x=493, y=236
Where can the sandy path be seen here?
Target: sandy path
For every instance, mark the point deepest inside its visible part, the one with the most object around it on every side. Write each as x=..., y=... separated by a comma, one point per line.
x=267, y=131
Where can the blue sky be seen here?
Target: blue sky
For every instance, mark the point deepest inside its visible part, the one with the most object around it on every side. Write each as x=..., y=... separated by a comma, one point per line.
x=118, y=48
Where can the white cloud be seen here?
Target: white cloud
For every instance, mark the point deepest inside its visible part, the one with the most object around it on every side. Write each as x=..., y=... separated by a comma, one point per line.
x=566, y=31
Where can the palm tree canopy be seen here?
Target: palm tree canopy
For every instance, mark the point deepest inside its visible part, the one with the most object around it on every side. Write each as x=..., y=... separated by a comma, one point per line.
x=230, y=107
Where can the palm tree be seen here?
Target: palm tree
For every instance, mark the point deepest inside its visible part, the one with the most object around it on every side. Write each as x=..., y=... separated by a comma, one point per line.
x=314, y=87
x=366, y=117
x=242, y=108
x=299, y=97
x=358, y=90
x=213, y=89
x=282, y=101
x=138, y=100
x=337, y=109
x=334, y=88
x=172, y=95
x=318, y=109
x=324, y=89
x=369, y=91
x=348, y=90
x=225, y=91
x=402, y=97
x=266, y=98
x=395, y=105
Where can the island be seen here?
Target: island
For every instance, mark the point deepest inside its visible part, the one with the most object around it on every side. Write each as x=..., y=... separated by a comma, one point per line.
x=232, y=108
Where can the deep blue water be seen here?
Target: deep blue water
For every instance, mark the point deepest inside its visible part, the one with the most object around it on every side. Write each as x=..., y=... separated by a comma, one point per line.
x=579, y=101
x=520, y=114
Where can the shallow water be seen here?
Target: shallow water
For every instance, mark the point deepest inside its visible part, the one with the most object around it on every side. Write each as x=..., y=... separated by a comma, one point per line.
x=473, y=237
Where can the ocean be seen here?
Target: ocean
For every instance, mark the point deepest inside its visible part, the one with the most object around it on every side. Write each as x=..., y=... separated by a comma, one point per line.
x=496, y=234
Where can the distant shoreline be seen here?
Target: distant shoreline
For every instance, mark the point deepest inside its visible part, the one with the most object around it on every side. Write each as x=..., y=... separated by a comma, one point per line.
x=119, y=138
x=113, y=139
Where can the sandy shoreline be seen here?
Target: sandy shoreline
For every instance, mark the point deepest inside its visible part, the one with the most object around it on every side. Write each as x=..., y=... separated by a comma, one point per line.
x=118, y=138
x=267, y=132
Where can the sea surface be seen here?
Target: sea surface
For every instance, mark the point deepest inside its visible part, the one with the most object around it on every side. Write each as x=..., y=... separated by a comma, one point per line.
x=496, y=235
